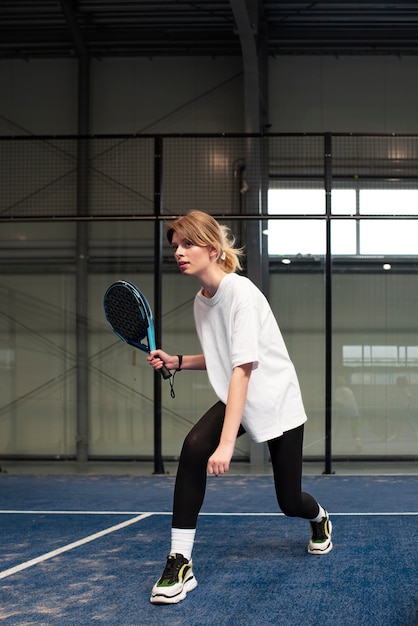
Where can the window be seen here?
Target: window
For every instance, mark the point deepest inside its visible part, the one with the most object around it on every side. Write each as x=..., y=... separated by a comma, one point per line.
x=381, y=365
x=348, y=236
x=380, y=356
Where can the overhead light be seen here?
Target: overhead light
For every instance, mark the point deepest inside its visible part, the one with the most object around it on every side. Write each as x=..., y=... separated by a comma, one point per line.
x=387, y=266
x=286, y=261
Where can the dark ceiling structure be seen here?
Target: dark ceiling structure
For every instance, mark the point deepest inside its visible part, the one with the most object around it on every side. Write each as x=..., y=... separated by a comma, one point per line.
x=102, y=28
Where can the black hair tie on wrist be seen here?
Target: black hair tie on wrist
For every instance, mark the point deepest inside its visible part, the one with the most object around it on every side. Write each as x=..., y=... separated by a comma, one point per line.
x=171, y=380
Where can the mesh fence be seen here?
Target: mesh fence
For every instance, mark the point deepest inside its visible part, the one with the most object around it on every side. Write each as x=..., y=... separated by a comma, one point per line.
x=69, y=177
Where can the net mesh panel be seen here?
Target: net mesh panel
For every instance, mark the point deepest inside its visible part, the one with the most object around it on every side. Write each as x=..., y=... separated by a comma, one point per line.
x=41, y=178
x=125, y=314
x=203, y=173
x=296, y=157
x=378, y=157
x=114, y=177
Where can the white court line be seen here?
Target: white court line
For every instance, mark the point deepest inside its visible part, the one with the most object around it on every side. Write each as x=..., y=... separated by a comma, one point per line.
x=141, y=516
x=358, y=514
x=70, y=512
x=217, y=514
x=71, y=546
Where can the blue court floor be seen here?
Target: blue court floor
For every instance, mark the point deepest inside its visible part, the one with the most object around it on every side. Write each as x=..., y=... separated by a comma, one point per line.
x=86, y=549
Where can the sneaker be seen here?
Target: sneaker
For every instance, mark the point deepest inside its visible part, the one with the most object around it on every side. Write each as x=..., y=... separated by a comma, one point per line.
x=320, y=542
x=176, y=581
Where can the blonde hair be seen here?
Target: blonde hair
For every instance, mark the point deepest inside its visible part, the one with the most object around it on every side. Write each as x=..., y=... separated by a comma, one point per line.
x=202, y=229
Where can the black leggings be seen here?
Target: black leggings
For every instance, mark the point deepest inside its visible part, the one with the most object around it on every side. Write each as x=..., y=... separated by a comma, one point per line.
x=201, y=443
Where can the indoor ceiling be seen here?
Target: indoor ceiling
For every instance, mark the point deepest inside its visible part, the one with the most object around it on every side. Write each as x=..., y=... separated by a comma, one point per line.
x=101, y=28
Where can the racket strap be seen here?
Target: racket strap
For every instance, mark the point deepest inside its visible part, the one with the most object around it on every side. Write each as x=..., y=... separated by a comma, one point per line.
x=171, y=380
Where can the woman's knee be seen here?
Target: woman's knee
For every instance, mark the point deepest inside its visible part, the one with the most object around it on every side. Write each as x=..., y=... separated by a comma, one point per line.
x=195, y=448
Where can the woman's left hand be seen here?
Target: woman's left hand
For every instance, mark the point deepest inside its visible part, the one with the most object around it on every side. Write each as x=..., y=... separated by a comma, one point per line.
x=219, y=461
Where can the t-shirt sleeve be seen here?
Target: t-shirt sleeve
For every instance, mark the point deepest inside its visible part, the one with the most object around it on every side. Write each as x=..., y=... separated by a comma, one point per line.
x=244, y=335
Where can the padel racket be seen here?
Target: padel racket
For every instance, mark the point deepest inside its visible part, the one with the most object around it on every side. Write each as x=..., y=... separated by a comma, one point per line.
x=129, y=314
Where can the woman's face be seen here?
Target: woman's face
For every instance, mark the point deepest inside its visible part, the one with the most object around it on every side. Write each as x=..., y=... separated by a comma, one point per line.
x=191, y=259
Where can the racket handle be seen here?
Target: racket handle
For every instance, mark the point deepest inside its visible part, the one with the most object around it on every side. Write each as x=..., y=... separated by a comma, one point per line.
x=165, y=373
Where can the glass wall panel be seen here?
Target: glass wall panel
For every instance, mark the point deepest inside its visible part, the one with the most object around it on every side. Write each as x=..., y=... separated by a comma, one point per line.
x=121, y=382
x=121, y=385
x=298, y=301
x=375, y=399
x=37, y=341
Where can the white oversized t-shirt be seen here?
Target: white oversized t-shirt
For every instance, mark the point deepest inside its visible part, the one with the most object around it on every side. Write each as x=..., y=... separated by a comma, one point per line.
x=237, y=326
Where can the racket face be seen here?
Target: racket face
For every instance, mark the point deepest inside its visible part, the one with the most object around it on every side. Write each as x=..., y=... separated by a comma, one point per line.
x=129, y=315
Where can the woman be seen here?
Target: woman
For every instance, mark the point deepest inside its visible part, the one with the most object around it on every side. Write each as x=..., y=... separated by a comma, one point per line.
x=250, y=370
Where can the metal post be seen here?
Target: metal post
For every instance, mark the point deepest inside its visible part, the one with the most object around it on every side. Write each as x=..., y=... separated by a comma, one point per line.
x=158, y=263
x=82, y=242
x=82, y=256
x=328, y=306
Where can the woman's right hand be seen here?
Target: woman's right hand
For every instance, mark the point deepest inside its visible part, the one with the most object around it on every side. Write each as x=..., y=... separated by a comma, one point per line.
x=158, y=358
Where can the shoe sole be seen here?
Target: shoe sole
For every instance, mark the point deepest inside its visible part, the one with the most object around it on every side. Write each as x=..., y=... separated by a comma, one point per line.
x=319, y=551
x=160, y=598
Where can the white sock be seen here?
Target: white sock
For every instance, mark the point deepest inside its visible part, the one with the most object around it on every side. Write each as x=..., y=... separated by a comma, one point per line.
x=182, y=540
x=321, y=514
